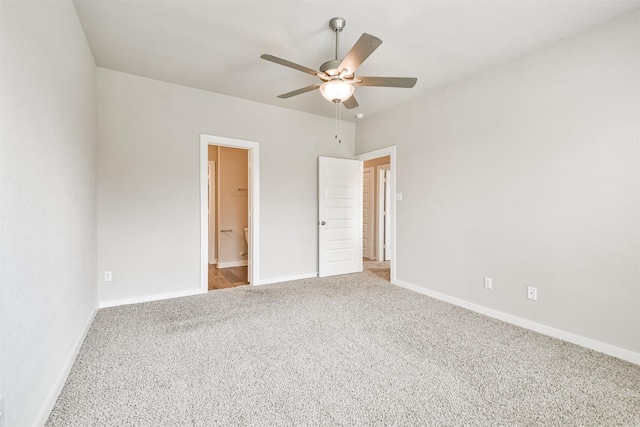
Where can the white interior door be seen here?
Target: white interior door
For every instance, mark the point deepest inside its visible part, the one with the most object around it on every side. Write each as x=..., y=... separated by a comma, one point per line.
x=340, y=216
x=368, y=195
x=387, y=216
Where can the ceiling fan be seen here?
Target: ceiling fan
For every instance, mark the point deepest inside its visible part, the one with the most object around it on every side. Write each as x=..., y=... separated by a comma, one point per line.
x=338, y=77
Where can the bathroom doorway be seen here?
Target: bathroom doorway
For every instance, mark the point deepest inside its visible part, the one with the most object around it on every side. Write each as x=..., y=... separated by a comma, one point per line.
x=228, y=212
x=228, y=182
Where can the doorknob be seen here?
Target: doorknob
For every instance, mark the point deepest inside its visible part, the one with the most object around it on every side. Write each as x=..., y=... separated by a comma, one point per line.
x=322, y=223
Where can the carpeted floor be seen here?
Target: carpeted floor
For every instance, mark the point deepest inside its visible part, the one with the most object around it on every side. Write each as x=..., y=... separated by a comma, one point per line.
x=350, y=350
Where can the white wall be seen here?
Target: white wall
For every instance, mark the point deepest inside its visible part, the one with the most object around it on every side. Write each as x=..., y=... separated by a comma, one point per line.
x=148, y=181
x=47, y=199
x=529, y=173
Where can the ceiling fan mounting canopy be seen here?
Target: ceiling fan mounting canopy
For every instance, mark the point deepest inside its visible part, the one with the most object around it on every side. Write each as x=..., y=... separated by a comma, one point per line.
x=337, y=24
x=338, y=76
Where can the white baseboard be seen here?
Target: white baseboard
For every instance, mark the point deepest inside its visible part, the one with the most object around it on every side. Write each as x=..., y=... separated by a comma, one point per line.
x=233, y=264
x=149, y=298
x=213, y=261
x=50, y=402
x=599, y=346
x=288, y=278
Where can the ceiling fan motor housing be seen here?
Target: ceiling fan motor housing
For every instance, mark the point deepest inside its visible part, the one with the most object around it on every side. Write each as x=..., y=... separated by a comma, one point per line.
x=331, y=67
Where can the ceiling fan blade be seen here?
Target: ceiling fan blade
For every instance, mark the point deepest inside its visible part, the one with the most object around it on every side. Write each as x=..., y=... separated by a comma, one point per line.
x=407, y=82
x=351, y=102
x=299, y=91
x=360, y=51
x=290, y=64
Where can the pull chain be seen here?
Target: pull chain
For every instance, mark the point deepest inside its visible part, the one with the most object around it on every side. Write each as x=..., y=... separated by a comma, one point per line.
x=336, y=135
x=338, y=122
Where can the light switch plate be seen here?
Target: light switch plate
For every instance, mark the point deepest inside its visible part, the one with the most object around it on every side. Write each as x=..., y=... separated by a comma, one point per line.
x=399, y=197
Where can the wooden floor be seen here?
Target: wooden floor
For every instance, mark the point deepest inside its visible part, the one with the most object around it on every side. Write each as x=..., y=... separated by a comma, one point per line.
x=227, y=277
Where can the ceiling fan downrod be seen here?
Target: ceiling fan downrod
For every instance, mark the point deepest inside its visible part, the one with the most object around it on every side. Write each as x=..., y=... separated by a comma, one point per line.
x=337, y=24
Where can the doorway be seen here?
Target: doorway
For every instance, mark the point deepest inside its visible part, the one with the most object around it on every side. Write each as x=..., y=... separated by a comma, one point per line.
x=376, y=230
x=232, y=229
x=381, y=239
x=228, y=176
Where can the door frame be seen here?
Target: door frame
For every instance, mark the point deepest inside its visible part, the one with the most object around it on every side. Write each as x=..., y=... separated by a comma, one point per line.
x=391, y=152
x=380, y=209
x=254, y=205
x=212, y=173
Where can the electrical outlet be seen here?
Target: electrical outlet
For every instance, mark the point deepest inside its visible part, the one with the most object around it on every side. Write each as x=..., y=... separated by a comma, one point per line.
x=1, y=411
x=532, y=293
x=488, y=283
x=108, y=276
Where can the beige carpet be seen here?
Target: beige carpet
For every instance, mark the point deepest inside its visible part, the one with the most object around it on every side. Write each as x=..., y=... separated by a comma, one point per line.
x=350, y=350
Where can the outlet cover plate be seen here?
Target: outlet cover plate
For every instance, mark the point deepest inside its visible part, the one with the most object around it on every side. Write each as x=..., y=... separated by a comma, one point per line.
x=108, y=276
x=532, y=293
x=488, y=283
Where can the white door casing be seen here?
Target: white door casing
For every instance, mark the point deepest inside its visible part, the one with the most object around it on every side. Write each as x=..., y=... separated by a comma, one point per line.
x=250, y=208
x=382, y=211
x=212, y=211
x=368, y=196
x=340, y=216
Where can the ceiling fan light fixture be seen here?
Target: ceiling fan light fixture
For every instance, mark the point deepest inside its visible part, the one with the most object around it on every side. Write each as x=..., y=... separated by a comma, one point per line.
x=337, y=76
x=336, y=91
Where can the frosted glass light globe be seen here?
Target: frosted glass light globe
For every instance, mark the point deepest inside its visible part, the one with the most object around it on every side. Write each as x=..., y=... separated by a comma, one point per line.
x=337, y=90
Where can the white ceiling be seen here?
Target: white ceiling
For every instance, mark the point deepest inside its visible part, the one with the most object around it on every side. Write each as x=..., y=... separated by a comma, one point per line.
x=216, y=45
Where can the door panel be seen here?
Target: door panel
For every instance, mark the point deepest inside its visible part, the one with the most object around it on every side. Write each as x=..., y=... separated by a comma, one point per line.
x=340, y=216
